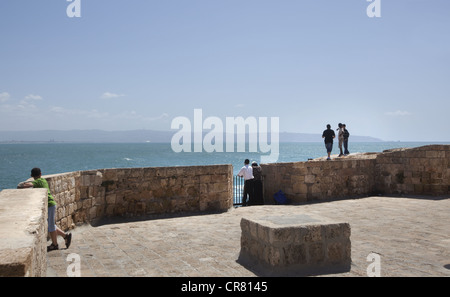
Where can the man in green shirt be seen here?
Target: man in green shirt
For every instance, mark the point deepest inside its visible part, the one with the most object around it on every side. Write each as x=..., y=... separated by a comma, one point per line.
x=54, y=231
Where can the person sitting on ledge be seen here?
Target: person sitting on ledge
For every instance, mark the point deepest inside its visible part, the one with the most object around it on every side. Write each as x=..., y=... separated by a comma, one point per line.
x=54, y=231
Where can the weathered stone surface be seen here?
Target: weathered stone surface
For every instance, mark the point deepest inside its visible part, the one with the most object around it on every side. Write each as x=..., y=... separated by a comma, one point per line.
x=140, y=191
x=84, y=196
x=23, y=232
x=413, y=171
x=297, y=244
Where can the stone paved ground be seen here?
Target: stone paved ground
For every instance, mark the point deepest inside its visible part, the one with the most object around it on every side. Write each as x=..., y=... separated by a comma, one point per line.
x=411, y=235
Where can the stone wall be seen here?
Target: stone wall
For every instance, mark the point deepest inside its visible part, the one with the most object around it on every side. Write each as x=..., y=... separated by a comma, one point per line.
x=86, y=196
x=65, y=188
x=319, y=180
x=23, y=232
x=418, y=171
x=414, y=171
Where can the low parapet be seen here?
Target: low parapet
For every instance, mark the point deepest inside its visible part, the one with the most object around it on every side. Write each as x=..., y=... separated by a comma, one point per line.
x=23, y=232
x=88, y=196
x=409, y=171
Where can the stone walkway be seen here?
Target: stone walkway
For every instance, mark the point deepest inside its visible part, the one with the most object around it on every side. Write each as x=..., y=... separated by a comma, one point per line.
x=411, y=236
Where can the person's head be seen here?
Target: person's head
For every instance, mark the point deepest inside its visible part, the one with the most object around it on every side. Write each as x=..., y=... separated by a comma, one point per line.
x=254, y=164
x=328, y=126
x=343, y=126
x=340, y=125
x=247, y=161
x=36, y=173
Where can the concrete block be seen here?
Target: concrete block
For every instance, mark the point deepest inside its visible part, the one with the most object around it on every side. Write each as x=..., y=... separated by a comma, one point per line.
x=295, y=245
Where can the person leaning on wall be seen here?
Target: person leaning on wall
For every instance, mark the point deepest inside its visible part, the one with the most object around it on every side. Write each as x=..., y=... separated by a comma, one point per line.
x=40, y=182
x=247, y=173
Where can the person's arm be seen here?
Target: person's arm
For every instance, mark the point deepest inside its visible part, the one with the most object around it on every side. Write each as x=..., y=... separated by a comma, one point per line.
x=24, y=185
x=241, y=172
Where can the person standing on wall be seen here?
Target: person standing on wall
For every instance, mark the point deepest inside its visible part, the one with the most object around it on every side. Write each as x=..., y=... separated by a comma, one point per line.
x=346, y=135
x=54, y=231
x=247, y=173
x=340, y=138
x=328, y=135
x=257, y=184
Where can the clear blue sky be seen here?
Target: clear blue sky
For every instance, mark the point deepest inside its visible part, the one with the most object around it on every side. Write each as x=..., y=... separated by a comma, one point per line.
x=138, y=64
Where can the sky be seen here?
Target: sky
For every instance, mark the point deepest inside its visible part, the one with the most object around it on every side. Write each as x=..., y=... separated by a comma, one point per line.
x=127, y=65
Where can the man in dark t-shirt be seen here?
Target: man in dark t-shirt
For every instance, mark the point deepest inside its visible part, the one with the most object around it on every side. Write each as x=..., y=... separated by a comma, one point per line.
x=328, y=135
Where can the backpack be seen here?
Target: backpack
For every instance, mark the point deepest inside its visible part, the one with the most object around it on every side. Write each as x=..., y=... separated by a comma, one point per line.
x=280, y=198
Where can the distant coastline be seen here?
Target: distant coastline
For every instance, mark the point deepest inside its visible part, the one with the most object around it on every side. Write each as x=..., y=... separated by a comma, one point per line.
x=135, y=136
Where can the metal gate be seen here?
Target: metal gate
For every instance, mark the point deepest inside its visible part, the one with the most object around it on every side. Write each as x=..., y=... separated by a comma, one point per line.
x=238, y=190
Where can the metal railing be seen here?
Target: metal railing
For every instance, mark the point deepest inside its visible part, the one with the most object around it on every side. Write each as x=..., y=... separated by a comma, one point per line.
x=238, y=189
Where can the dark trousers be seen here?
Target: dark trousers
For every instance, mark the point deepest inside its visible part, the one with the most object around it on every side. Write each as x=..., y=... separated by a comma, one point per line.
x=258, y=192
x=248, y=190
x=346, y=146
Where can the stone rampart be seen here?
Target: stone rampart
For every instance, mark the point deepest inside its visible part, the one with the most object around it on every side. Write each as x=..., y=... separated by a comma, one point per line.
x=415, y=171
x=23, y=232
x=319, y=180
x=418, y=171
x=86, y=196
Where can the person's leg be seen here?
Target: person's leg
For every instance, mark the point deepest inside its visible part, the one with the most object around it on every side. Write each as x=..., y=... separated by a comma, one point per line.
x=259, y=192
x=251, y=192
x=55, y=231
x=52, y=228
x=346, y=147
x=244, y=196
x=329, y=147
x=255, y=192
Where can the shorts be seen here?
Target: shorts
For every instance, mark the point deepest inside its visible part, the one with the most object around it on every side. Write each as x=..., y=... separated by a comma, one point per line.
x=329, y=147
x=51, y=219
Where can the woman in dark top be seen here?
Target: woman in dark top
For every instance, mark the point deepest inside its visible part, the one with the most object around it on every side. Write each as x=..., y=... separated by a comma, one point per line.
x=257, y=184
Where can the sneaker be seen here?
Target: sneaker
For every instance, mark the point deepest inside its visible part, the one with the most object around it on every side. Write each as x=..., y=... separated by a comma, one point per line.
x=328, y=159
x=68, y=239
x=52, y=247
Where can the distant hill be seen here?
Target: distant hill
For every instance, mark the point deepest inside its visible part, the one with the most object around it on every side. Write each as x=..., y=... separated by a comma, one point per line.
x=136, y=136
x=306, y=137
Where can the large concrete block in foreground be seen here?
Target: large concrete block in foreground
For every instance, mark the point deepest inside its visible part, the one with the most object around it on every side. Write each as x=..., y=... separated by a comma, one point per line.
x=295, y=245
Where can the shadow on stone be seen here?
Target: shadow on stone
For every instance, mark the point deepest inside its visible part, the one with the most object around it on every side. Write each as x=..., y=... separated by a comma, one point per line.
x=264, y=270
x=141, y=218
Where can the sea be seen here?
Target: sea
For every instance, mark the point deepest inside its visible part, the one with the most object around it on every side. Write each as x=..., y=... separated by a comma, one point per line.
x=17, y=159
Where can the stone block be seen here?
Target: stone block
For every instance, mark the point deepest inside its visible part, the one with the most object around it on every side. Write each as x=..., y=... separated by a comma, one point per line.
x=310, y=179
x=295, y=245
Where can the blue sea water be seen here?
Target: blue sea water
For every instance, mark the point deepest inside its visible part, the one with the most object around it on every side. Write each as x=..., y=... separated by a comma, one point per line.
x=17, y=159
